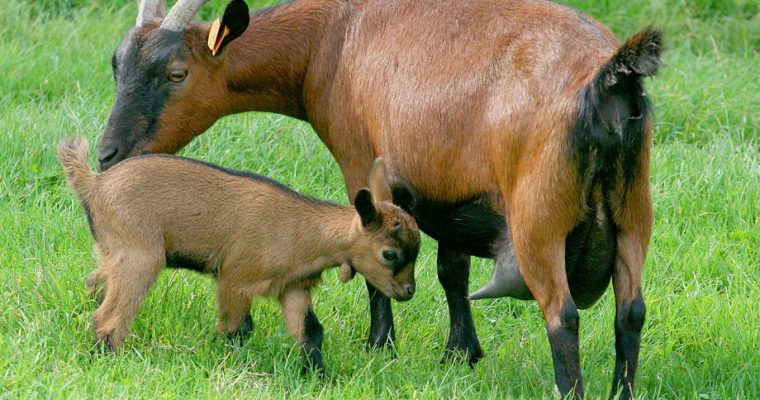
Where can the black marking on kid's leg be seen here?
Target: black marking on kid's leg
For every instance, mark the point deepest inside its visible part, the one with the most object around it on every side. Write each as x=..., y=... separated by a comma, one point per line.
x=382, y=333
x=454, y=275
x=312, y=345
x=564, y=343
x=629, y=320
x=243, y=330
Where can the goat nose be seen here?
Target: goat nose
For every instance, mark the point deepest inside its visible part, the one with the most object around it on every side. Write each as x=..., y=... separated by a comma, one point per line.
x=107, y=157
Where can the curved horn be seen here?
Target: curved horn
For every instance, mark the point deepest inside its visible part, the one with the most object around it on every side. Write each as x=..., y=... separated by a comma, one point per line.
x=181, y=14
x=149, y=9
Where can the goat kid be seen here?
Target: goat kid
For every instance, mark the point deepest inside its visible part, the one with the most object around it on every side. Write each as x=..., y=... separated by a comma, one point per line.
x=256, y=236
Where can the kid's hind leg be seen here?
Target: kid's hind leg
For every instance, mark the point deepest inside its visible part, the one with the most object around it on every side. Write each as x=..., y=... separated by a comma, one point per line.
x=303, y=325
x=97, y=284
x=131, y=275
x=97, y=281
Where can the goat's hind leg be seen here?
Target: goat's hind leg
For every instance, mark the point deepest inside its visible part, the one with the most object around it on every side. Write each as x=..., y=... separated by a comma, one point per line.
x=303, y=325
x=538, y=235
x=97, y=284
x=129, y=277
x=634, y=230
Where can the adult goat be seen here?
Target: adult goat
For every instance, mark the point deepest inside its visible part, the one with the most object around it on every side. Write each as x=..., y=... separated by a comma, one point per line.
x=513, y=129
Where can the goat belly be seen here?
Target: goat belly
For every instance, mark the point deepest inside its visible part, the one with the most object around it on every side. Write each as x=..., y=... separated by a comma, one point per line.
x=471, y=226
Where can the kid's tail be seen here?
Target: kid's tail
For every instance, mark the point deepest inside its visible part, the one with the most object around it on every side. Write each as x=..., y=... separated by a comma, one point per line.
x=73, y=153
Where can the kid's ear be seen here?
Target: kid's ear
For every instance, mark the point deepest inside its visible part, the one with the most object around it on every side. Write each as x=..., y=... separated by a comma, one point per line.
x=230, y=27
x=366, y=209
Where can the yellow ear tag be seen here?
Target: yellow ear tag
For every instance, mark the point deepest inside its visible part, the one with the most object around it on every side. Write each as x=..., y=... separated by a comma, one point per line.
x=216, y=35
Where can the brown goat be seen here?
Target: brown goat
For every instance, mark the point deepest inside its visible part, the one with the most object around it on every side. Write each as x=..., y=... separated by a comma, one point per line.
x=257, y=237
x=516, y=130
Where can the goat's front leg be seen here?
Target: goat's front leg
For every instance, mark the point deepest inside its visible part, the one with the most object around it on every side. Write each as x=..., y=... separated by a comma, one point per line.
x=234, y=309
x=382, y=333
x=454, y=275
x=303, y=325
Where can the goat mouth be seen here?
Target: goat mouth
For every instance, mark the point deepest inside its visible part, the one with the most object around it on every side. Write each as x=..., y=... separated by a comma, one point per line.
x=398, y=295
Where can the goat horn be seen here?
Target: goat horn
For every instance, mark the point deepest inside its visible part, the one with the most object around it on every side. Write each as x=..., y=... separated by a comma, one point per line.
x=149, y=9
x=181, y=14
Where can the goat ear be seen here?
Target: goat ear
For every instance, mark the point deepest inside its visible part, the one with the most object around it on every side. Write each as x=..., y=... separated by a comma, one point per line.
x=230, y=27
x=378, y=181
x=366, y=209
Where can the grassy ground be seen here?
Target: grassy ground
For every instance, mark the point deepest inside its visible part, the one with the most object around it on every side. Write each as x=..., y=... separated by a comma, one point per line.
x=701, y=339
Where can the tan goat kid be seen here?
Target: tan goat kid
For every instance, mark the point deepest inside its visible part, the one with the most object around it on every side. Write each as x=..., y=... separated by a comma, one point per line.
x=256, y=236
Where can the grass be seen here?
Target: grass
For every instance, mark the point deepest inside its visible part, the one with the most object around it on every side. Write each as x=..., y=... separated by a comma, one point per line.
x=701, y=339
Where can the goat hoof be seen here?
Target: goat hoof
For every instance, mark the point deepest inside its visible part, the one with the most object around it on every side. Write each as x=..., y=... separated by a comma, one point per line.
x=460, y=356
x=103, y=346
x=318, y=370
x=382, y=342
x=243, y=330
x=386, y=347
x=313, y=366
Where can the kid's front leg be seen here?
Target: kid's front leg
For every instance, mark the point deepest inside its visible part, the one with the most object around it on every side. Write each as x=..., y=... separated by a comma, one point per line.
x=303, y=325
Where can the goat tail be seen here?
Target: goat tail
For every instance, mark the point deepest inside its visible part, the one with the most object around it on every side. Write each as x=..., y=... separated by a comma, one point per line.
x=73, y=153
x=639, y=56
x=613, y=112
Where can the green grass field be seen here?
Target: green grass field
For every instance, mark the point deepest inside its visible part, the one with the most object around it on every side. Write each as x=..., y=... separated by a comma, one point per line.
x=702, y=276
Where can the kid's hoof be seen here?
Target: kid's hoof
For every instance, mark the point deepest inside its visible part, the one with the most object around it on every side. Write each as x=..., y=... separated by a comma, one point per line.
x=243, y=330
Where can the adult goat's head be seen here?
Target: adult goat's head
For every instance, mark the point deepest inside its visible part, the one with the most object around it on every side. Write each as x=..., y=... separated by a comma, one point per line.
x=168, y=87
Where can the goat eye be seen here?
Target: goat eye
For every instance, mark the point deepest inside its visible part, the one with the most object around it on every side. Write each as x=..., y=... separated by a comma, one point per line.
x=178, y=75
x=390, y=256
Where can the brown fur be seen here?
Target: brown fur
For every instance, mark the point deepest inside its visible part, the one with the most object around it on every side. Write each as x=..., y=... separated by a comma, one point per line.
x=258, y=238
x=464, y=99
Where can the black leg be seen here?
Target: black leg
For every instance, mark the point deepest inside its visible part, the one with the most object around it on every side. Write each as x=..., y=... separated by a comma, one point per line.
x=454, y=275
x=563, y=340
x=243, y=330
x=629, y=319
x=382, y=333
x=312, y=345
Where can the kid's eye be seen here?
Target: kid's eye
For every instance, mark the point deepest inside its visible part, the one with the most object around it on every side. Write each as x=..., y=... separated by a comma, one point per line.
x=390, y=256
